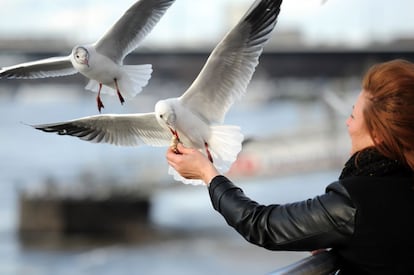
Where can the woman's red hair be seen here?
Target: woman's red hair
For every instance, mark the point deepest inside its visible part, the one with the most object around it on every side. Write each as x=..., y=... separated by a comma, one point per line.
x=389, y=110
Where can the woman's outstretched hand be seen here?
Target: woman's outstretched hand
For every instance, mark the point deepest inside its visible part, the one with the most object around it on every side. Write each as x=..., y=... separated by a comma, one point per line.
x=191, y=163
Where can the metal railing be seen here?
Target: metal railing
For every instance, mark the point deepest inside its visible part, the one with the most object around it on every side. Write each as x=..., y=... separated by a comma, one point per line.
x=323, y=263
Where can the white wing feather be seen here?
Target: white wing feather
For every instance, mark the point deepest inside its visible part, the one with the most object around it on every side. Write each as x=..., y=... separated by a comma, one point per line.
x=230, y=67
x=123, y=130
x=49, y=67
x=126, y=34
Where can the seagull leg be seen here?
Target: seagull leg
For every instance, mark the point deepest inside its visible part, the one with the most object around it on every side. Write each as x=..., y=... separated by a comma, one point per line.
x=98, y=98
x=174, y=141
x=208, y=152
x=121, y=98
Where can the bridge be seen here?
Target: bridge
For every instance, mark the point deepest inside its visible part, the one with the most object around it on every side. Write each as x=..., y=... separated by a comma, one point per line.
x=295, y=62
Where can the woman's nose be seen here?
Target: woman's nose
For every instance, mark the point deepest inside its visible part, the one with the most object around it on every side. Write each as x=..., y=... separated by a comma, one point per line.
x=347, y=121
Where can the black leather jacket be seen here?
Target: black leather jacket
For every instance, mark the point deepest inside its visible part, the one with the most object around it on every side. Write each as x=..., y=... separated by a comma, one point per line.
x=366, y=217
x=329, y=219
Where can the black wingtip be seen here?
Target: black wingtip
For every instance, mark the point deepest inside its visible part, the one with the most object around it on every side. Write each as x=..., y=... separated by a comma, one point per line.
x=263, y=13
x=30, y=125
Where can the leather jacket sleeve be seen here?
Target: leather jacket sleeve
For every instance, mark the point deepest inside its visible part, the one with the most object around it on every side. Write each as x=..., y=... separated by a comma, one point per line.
x=321, y=222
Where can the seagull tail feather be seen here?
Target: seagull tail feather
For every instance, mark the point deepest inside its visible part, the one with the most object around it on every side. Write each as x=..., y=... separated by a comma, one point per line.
x=224, y=145
x=133, y=79
x=178, y=177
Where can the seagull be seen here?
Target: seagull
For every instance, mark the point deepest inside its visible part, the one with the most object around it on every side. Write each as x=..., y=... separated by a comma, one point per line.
x=102, y=61
x=196, y=117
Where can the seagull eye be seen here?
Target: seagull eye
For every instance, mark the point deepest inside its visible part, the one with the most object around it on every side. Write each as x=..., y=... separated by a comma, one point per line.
x=161, y=116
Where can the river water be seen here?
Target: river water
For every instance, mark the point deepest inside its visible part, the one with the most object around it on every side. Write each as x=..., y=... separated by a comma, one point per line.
x=206, y=246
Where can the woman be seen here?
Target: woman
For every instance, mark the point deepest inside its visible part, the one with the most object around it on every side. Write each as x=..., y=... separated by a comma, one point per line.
x=367, y=216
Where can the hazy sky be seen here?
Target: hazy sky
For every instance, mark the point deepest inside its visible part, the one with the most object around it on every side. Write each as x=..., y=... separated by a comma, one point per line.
x=196, y=22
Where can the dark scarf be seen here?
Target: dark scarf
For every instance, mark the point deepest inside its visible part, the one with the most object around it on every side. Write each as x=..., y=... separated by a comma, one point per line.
x=371, y=163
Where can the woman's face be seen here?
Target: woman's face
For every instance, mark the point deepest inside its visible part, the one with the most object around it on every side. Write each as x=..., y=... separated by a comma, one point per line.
x=360, y=137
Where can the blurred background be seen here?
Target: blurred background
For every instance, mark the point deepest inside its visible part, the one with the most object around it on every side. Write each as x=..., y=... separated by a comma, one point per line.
x=72, y=207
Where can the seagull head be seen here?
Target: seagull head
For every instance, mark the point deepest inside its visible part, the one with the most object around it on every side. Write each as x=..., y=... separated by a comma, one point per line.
x=165, y=114
x=81, y=55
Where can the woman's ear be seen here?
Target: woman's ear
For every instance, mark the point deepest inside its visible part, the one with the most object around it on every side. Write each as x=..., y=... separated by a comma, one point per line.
x=376, y=138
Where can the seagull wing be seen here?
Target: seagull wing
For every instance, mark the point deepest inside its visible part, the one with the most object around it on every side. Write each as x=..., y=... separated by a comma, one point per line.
x=123, y=129
x=229, y=68
x=49, y=67
x=131, y=28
